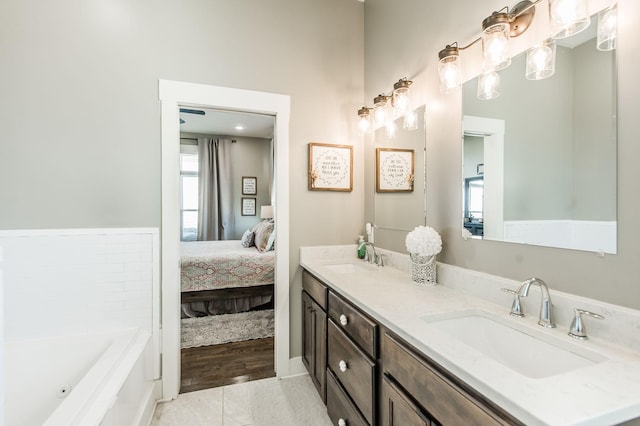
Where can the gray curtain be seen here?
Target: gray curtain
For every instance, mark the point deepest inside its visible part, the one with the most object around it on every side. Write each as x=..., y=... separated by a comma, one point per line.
x=215, y=200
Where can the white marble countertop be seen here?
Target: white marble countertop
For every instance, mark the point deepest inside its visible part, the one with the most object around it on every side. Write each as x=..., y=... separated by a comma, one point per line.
x=605, y=393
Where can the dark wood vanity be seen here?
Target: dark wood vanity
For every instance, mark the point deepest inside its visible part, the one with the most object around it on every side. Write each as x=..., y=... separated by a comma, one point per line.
x=367, y=375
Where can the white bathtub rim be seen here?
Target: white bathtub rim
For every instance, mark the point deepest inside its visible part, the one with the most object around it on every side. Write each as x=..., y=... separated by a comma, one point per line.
x=89, y=389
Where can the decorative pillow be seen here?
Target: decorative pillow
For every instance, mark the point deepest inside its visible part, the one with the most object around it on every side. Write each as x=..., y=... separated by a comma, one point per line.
x=263, y=231
x=271, y=243
x=247, y=239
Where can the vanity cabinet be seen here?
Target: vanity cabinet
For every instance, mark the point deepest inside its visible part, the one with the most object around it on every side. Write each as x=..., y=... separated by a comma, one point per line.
x=416, y=388
x=314, y=331
x=373, y=377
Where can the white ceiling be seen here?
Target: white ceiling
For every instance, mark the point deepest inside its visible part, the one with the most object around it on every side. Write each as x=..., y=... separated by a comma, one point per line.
x=219, y=122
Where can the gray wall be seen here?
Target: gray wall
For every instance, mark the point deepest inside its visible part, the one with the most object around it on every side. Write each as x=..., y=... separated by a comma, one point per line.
x=538, y=146
x=249, y=157
x=594, y=138
x=403, y=38
x=80, y=116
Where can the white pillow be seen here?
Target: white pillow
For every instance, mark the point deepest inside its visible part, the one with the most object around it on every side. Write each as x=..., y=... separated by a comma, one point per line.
x=272, y=241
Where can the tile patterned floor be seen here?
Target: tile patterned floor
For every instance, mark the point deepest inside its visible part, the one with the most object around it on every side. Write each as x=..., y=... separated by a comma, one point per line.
x=267, y=402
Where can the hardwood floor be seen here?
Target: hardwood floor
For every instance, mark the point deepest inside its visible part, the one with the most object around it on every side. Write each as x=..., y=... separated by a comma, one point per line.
x=219, y=365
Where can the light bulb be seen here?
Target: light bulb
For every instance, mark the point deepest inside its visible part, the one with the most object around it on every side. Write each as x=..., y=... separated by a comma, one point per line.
x=364, y=125
x=449, y=69
x=401, y=97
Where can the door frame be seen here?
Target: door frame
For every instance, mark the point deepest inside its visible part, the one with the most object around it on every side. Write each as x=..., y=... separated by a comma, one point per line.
x=172, y=95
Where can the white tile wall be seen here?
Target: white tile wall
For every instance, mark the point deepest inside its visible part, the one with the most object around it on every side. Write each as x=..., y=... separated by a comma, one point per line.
x=60, y=282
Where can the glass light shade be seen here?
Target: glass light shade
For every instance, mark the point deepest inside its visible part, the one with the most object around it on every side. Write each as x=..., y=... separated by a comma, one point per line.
x=608, y=28
x=541, y=60
x=390, y=128
x=488, y=85
x=495, y=42
x=568, y=17
x=410, y=121
x=380, y=111
x=402, y=97
x=364, y=121
x=449, y=69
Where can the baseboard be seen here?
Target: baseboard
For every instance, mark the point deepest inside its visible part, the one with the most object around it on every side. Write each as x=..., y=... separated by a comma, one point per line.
x=296, y=367
x=149, y=405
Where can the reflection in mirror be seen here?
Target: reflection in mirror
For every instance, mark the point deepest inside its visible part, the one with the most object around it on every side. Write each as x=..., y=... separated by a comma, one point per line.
x=548, y=154
x=403, y=210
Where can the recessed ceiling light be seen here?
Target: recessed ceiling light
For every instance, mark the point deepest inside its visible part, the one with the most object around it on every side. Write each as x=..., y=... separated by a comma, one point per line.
x=239, y=127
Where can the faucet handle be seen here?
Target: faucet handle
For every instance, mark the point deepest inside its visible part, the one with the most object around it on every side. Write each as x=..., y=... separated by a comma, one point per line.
x=578, y=329
x=380, y=259
x=516, y=308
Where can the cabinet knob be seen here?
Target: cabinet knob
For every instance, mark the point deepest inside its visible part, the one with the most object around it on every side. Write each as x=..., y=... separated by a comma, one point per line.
x=342, y=422
x=343, y=319
x=343, y=366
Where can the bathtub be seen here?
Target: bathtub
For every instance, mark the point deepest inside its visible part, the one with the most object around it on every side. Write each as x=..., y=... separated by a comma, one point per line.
x=80, y=380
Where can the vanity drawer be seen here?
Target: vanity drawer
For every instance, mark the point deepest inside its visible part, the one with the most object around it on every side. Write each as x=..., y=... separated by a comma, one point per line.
x=316, y=289
x=443, y=399
x=339, y=406
x=358, y=373
x=356, y=325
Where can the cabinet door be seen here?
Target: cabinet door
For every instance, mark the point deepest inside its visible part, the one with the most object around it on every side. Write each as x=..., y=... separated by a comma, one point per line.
x=398, y=409
x=314, y=342
x=308, y=330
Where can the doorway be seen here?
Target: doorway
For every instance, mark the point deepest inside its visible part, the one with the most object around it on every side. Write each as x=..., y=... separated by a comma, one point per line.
x=172, y=95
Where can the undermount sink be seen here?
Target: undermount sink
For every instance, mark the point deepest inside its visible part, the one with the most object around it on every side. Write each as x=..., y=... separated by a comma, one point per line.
x=529, y=353
x=351, y=267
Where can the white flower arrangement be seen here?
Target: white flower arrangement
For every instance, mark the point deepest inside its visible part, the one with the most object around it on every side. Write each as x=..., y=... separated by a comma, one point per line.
x=423, y=241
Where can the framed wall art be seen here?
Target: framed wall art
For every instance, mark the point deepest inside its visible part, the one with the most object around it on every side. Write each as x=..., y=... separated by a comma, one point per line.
x=394, y=170
x=249, y=185
x=248, y=206
x=330, y=167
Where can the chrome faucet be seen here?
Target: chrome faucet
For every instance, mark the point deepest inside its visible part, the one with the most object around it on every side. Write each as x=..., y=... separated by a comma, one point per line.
x=374, y=256
x=546, y=307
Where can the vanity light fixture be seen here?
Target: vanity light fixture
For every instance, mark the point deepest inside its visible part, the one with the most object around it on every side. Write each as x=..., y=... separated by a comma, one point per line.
x=364, y=120
x=386, y=108
x=568, y=17
x=541, y=60
x=607, y=35
x=497, y=30
x=488, y=85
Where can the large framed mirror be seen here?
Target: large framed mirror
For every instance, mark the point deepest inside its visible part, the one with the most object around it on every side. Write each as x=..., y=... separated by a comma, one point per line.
x=403, y=210
x=542, y=157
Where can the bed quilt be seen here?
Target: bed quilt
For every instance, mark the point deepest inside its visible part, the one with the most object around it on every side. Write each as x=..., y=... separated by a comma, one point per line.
x=209, y=265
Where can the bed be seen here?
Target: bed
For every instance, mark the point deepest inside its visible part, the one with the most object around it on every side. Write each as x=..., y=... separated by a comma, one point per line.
x=224, y=277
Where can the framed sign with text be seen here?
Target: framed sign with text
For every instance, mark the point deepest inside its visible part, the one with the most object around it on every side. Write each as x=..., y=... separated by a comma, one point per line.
x=249, y=185
x=330, y=167
x=394, y=170
x=248, y=207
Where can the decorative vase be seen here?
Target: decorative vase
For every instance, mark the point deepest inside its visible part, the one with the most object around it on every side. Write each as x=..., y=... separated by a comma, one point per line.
x=423, y=269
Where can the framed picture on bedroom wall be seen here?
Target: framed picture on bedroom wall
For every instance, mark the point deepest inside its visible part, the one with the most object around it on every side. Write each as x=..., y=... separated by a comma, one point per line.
x=330, y=167
x=249, y=185
x=248, y=206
